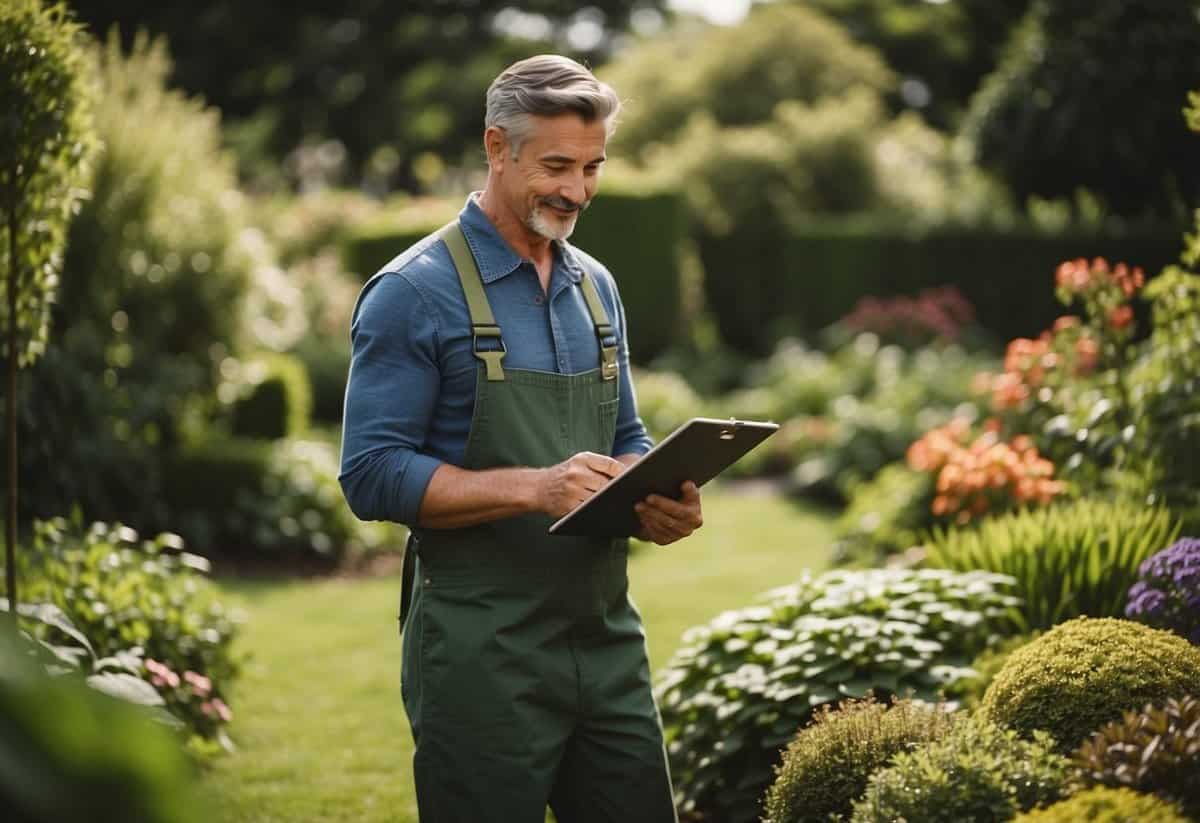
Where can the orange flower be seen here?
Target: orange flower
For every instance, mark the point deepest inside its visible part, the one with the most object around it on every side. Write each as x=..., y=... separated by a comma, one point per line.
x=1120, y=317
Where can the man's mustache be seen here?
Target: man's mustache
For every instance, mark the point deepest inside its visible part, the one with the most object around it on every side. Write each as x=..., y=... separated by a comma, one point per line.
x=564, y=204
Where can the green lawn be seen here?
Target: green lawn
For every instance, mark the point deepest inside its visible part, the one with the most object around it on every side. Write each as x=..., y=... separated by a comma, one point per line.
x=318, y=719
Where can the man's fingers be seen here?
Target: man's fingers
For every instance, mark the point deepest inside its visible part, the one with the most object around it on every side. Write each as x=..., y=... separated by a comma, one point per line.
x=663, y=520
x=603, y=464
x=685, y=511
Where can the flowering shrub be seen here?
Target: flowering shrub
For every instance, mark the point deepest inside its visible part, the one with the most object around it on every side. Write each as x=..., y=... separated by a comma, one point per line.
x=939, y=314
x=1167, y=593
x=1104, y=291
x=983, y=475
x=123, y=593
x=190, y=698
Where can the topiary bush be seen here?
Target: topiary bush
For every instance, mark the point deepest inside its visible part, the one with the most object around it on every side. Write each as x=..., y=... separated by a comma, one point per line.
x=1167, y=592
x=1087, y=672
x=1077, y=558
x=826, y=767
x=1155, y=750
x=272, y=398
x=978, y=771
x=740, y=687
x=1104, y=805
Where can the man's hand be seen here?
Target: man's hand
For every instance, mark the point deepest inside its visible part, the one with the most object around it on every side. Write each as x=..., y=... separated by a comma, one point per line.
x=665, y=520
x=563, y=487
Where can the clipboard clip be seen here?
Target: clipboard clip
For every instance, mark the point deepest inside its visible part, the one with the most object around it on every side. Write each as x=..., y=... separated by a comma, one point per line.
x=731, y=431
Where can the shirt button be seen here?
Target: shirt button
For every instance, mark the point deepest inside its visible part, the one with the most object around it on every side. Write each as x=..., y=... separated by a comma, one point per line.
x=539, y=299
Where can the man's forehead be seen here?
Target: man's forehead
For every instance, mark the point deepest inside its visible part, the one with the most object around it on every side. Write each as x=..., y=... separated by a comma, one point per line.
x=568, y=135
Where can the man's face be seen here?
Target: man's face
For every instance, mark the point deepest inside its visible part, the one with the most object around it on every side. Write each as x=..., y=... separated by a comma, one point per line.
x=555, y=173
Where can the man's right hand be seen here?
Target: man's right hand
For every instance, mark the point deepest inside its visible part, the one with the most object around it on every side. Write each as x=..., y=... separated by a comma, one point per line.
x=563, y=487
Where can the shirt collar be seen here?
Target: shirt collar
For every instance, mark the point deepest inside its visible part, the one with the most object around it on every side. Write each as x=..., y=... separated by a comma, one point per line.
x=494, y=257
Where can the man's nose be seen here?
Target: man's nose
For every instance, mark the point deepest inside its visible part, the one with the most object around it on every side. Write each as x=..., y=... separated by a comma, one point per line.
x=573, y=189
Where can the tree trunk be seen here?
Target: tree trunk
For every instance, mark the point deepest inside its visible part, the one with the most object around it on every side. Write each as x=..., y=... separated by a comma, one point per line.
x=10, y=552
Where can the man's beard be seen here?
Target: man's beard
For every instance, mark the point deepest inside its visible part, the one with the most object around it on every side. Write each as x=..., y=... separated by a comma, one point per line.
x=537, y=222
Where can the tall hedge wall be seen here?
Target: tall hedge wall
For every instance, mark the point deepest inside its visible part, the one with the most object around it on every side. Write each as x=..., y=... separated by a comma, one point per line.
x=761, y=288
x=638, y=235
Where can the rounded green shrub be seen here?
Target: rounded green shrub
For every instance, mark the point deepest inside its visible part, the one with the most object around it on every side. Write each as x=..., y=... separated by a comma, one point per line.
x=979, y=771
x=1087, y=672
x=987, y=665
x=1104, y=805
x=1155, y=750
x=275, y=399
x=827, y=765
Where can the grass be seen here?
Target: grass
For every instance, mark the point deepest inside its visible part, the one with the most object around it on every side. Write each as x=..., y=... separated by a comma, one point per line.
x=318, y=720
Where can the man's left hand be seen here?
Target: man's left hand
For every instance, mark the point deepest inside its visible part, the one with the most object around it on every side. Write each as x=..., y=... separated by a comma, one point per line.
x=665, y=520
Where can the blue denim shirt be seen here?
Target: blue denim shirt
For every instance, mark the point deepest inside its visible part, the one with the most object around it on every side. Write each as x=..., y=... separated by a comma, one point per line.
x=411, y=389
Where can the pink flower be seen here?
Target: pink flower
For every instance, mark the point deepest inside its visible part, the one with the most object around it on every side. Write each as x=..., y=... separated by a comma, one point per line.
x=222, y=710
x=161, y=675
x=201, y=685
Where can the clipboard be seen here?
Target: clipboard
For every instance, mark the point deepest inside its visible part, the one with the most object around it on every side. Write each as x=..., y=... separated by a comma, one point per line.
x=698, y=450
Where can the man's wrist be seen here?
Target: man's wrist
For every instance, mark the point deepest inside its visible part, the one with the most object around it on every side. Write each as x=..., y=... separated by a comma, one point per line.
x=529, y=490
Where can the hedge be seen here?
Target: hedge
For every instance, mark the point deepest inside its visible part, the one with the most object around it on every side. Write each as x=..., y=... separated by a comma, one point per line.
x=761, y=287
x=637, y=235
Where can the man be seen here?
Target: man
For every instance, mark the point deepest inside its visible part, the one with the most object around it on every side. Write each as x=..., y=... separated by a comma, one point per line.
x=489, y=394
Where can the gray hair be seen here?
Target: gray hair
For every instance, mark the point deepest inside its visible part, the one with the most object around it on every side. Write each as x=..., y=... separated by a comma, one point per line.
x=547, y=85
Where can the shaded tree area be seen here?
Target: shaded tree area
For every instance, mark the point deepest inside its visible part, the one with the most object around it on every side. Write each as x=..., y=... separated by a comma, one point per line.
x=941, y=51
x=1088, y=95
x=385, y=94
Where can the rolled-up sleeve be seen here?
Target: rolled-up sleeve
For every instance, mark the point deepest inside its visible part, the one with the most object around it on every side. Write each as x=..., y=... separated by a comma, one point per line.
x=390, y=397
x=631, y=437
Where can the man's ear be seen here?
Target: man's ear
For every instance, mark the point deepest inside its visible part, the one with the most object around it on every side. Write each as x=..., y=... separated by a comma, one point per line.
x=495, y=142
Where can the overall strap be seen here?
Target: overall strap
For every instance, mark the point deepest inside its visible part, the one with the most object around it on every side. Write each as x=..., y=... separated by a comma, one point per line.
x=604, y=329
x=483, y=323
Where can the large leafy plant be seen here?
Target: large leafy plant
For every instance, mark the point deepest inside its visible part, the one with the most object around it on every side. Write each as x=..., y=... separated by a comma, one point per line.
x=1072, y=559
x=741, y=686
x=73, y=755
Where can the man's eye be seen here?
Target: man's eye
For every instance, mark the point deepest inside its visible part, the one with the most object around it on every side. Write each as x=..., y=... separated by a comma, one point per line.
x=556, y=167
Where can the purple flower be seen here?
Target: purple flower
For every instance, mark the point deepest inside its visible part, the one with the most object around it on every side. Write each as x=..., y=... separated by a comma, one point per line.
x=1168, y=593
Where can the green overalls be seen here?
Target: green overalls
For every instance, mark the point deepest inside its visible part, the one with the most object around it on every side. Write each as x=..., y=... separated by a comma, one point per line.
x=525, y=675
